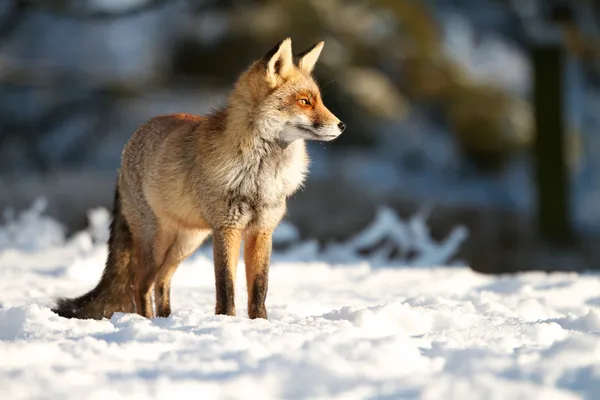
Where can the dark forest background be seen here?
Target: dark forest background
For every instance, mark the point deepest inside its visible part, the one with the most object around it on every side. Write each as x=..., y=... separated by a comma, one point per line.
x=486, y=112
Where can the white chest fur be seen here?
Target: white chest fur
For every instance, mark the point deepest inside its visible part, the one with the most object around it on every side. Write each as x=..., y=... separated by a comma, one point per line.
x=267, y=175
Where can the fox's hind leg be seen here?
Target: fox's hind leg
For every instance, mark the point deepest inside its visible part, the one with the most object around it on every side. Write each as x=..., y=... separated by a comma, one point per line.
x=150, y=245
x=136, y=276
x=185, y=243
x=142, y=265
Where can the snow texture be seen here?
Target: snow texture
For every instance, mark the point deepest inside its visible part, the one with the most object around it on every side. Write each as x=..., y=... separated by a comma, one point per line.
x=337, y=330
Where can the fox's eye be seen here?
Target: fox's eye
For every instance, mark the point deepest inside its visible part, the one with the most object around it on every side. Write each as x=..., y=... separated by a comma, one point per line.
x=304, y=102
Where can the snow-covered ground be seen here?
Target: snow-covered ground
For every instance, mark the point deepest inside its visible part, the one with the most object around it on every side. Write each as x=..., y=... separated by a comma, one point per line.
x=351, y=330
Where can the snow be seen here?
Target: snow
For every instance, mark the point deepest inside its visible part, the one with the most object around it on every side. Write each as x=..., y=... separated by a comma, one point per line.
x=486, y=57
x=347, y=329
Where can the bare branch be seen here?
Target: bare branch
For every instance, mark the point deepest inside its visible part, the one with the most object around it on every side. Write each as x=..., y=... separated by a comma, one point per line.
x=85, y=13
x=48, y=78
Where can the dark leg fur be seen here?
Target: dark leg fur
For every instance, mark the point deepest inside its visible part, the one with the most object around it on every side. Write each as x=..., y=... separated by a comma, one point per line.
x=113, y=292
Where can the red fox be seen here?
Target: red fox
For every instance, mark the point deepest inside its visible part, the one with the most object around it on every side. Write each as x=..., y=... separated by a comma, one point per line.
x=185, y=177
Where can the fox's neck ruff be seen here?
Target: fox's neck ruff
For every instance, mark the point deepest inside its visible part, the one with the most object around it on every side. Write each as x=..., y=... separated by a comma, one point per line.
x=253, y=128
x=247, y=160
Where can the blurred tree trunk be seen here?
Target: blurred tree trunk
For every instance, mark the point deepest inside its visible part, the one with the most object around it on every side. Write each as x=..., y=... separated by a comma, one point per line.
x=550, y=156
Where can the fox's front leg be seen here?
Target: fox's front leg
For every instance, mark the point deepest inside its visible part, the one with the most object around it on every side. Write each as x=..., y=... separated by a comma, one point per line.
x=257, y=256
x=226, y=251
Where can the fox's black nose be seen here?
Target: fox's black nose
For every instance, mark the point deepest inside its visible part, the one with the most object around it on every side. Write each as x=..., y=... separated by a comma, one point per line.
x=342, y=126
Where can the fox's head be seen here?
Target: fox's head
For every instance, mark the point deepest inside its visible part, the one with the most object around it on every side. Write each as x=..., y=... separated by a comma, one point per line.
x=282, y=100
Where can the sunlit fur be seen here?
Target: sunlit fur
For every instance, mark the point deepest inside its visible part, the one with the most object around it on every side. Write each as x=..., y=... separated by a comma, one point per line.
x=184, y=177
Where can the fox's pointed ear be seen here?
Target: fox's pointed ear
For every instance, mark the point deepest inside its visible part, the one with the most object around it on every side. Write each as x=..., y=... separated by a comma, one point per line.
x=308, y=58
x=279, y=60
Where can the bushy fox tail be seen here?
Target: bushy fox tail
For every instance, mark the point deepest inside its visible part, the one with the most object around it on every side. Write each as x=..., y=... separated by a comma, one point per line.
x=113, y=293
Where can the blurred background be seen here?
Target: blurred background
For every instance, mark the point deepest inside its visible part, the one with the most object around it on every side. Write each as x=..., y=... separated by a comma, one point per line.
x=486, y=113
